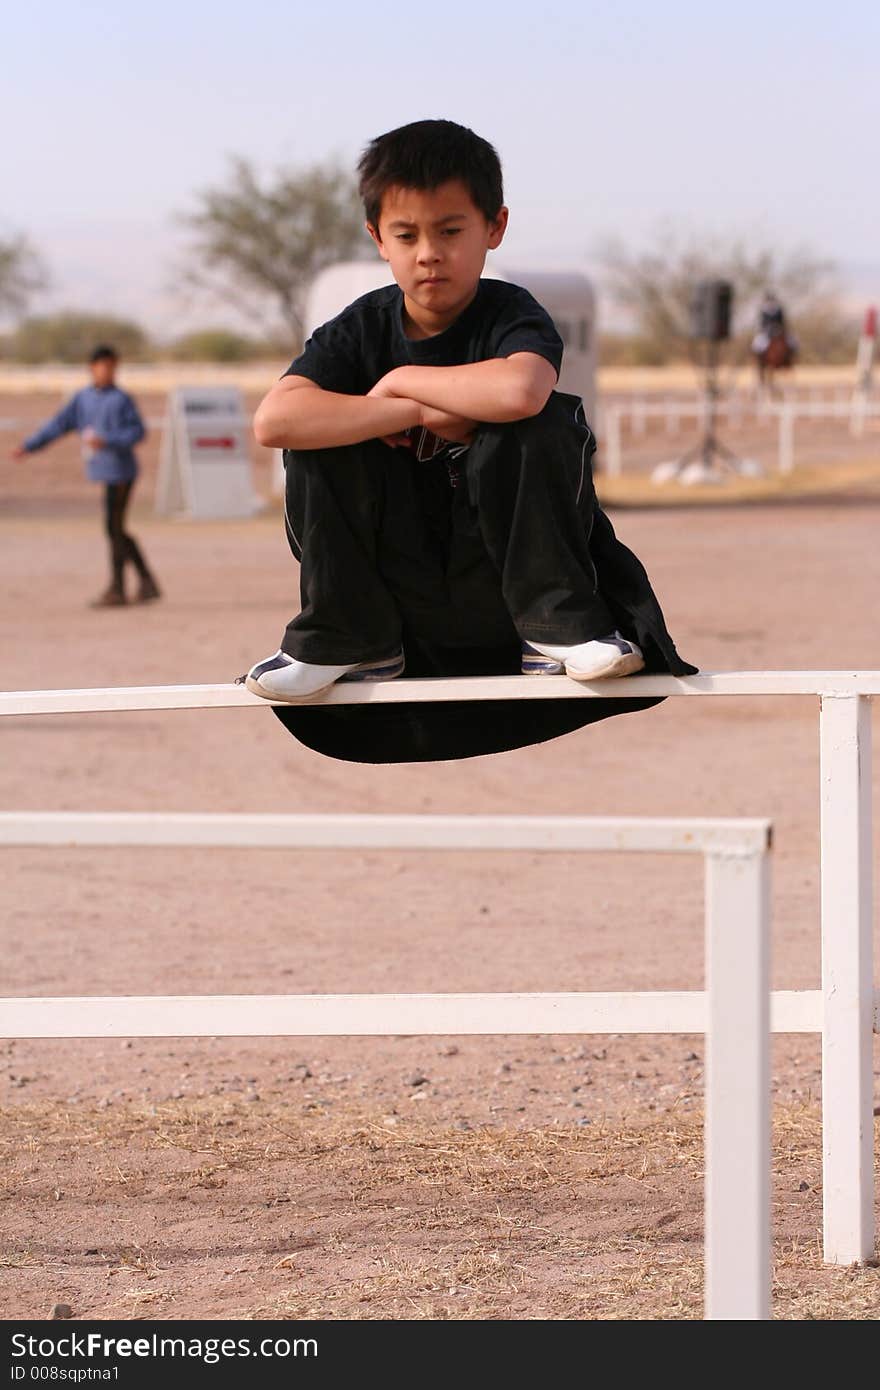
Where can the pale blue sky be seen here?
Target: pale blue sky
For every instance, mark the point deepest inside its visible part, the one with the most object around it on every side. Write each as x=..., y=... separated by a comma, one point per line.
x=611, y=119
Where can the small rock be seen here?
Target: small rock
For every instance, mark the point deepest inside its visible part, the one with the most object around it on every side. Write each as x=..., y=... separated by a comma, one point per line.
x=450, y=1051
x=691, y=1057
x=419, y=1095
x=62, y=1310
x=484, y=910
x=803, y=1187
x=419, y=1079
x=582, y=1120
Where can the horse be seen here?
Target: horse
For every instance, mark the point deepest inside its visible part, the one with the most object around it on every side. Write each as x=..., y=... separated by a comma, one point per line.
x=773, y=352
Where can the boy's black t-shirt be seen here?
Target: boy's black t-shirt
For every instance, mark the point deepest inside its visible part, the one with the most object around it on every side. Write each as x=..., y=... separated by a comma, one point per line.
x=357, y=348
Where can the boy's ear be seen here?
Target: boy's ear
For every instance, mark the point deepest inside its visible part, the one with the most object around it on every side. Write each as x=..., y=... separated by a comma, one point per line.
x=374, y=233
x=497, y=228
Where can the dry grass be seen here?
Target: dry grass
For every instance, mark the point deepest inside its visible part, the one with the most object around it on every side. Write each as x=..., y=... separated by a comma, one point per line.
x=360, y=1216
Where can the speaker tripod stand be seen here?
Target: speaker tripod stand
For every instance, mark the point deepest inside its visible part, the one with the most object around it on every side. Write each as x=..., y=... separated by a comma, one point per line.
x=711, y=457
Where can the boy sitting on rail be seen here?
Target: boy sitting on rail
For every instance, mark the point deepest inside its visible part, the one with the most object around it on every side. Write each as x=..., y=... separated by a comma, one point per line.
x=438, y=488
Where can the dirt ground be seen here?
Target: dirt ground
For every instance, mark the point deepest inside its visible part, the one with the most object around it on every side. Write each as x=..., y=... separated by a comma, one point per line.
x=397, y=1177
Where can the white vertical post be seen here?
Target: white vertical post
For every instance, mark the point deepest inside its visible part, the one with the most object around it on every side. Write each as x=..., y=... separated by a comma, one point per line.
x=613, y=451
x=786, y=438
x=278, y=476
x=847, y=979
x=737, y=1215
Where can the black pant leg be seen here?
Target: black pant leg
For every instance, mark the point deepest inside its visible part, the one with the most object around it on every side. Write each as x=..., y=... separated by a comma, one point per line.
x=354, y=522
x=133, y=553
x=115, y=498
x=123, y=547
x=531, y=483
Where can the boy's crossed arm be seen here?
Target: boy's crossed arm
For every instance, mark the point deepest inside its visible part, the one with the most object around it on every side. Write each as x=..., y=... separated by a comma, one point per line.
x=298, y=414
x=496, y=391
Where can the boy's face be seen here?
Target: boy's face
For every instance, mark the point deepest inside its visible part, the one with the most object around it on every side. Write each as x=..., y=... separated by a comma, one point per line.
x=103, y=371
x=435, y=241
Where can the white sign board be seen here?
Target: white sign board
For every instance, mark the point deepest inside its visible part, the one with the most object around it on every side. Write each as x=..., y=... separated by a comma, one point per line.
x=205, y=469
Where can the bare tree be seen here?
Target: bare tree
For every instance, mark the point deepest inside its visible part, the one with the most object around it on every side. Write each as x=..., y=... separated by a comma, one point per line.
x=258, y=245
x=654, y=287
x=22, y=274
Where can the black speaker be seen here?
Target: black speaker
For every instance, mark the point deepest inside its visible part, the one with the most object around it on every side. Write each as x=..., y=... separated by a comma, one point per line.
x=711, y=304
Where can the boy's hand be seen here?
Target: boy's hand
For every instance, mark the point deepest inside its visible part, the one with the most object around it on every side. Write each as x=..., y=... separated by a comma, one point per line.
x=386, y=386
x=455, y=428
x=397, y=441
x=446, y=425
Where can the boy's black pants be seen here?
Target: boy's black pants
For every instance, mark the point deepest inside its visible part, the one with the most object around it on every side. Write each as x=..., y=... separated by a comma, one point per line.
x=124, y=549
x=387, y=546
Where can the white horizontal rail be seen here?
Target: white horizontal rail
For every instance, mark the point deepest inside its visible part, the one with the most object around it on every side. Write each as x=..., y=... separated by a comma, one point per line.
x=820, y=409
x=839, y=409
x=233, y=696
x=384, y=832
x=381, y=1015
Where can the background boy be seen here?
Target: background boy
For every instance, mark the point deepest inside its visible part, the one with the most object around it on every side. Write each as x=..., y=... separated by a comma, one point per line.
x=437, y=487
x=109, y=425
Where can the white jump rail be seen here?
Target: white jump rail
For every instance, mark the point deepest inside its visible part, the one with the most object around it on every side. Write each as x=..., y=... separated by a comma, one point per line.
x=733, y=1011
x=856, y=408
x=846, y=1016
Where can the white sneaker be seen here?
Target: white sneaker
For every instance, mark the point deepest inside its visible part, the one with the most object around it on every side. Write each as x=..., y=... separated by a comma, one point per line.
x=600, y=659
x=291, y=682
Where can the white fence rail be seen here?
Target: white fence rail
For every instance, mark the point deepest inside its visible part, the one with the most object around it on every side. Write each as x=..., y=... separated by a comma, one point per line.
x=856, y=410
x=733, y=1012
x=843, y=1011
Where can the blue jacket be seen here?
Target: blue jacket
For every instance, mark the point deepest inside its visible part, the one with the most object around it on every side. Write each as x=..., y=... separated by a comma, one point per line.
x=111, y=414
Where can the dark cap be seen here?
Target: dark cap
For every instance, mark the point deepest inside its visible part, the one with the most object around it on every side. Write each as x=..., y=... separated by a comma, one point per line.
x=104, y=351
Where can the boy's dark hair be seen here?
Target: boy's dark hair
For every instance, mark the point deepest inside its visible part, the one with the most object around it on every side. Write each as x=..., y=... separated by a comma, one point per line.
x=103, y=352
x=424, y=155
